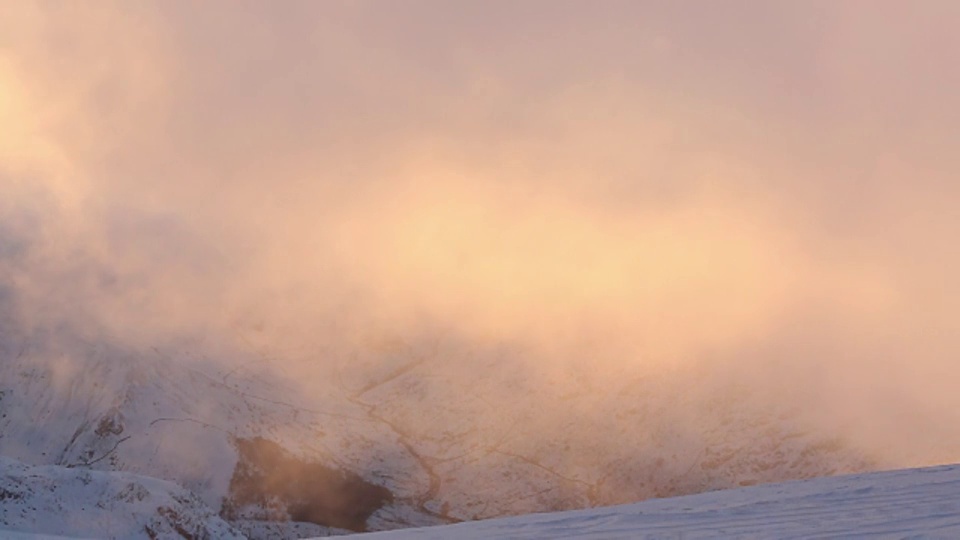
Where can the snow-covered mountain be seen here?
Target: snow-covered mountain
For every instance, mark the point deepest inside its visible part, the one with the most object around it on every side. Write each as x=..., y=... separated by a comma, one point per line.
x=180, y=419
x=50, y=502
x=311, y=268
x=917, y=503
x=78, y=502
x=409, y=436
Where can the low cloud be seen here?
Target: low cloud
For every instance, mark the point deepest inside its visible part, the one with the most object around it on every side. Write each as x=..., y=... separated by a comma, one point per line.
x=637, y=188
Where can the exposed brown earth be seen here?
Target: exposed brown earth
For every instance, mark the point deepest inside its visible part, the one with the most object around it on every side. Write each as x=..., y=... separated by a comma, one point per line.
x=269, y=483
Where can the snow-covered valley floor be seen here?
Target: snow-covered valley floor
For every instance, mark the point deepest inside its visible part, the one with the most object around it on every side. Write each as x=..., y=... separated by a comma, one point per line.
x=912, y=503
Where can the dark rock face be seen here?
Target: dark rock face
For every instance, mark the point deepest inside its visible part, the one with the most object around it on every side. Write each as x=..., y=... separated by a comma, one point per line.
x=271, y=484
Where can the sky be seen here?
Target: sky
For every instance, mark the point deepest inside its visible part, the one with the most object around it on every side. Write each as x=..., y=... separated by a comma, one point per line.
x=766, y=188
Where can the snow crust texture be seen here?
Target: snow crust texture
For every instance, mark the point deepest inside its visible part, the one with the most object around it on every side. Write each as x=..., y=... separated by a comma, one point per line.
x=52, y=500
x=913, y=503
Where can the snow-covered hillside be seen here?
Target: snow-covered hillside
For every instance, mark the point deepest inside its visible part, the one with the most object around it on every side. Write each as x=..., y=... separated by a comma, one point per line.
x=915, y=503
x=179, y=418
x=406, y=437
x=53, y=500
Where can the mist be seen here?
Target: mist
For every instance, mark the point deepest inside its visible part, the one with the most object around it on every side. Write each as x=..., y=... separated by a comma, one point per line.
x=752, y=193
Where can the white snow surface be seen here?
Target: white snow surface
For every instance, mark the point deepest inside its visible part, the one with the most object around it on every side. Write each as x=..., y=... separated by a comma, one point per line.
x=51, y=501
x=911, y=503
x=13, y=535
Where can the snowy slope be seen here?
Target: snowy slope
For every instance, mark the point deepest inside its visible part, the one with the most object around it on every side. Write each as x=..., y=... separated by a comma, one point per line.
x=914, y=503
x=425, y=424
x=51, y=500
x=13, y=535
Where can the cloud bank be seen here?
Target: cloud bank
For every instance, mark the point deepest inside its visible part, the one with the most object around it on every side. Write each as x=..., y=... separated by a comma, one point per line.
x=764, y=190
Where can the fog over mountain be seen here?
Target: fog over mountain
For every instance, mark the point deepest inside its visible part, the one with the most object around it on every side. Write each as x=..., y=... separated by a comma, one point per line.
x=709, y=244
